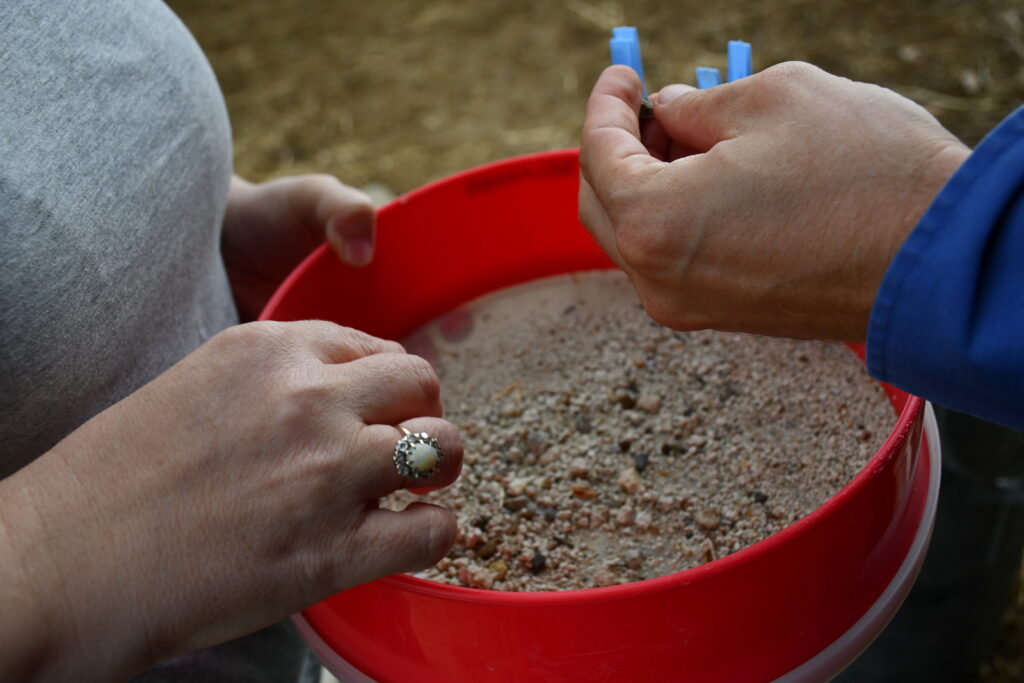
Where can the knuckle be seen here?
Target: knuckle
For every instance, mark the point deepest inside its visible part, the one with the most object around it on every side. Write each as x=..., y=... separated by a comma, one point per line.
x=332, y=189
x=360, y=342
x=325, y=180
x=368, y=345
x=790, y=71
x=390, y=346
x=308, y=397
x=778, y=82
x=420, y=371
x=255, y=335
x=306, y=405
x=318, y=328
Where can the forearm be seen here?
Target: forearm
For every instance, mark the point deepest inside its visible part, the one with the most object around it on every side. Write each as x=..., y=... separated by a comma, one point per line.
x=66, y=611
x=948, y=323
x=39, y=639
x=26, y=637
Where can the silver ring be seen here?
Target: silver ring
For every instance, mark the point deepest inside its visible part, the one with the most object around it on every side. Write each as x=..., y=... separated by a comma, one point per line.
x=417, y=456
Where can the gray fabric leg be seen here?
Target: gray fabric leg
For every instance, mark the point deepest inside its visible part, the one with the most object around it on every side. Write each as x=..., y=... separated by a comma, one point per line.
x=274, y=655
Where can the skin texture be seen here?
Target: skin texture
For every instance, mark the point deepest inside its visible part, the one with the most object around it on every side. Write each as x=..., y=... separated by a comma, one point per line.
x=237, y=488
x=772, y=205
x=270, y=227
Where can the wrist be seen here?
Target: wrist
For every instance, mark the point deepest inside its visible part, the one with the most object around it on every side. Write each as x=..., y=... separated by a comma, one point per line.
x=34, y=629
x=62, y=600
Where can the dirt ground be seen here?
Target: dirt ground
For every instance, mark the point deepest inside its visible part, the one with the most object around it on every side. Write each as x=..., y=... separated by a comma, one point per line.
x=396, y=93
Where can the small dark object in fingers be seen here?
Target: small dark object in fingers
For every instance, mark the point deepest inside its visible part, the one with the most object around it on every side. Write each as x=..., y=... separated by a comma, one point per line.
x=646, y=109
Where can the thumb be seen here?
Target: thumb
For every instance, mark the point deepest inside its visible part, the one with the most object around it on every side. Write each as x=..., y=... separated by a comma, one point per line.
x=696, y=119
x=342, y=213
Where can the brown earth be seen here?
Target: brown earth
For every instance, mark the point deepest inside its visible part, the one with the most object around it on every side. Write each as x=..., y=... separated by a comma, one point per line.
x=399, y=92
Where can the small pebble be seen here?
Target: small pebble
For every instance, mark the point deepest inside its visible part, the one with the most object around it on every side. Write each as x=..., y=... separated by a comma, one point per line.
x=515, y=503
x=629, y=480
x=538, y=562
x=537, y=443
x=584, y=491
x=707, y=520
x=550, y=456
x=579, y=467
x=645, y=521
x=499, y=568
x=517, y=486
x=605, y=577
x=633, y=559
x=624, y=399
x=666, y=504
x=707, y=551
x=488, y=550
x=649, y=402
x=640, y=461
x=611, y=481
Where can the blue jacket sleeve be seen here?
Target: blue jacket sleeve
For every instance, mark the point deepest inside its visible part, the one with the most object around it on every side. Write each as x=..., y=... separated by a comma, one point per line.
x=948, y=321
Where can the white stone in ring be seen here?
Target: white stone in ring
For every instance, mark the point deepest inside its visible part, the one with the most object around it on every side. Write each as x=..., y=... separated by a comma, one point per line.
x=423, y=457
x=417, y=456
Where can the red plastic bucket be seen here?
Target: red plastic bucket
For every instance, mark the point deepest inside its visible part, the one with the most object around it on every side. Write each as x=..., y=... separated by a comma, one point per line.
x=799, y=605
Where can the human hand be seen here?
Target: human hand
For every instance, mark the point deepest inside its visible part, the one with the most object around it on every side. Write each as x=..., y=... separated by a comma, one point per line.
x=269, y=228
x=772, y=204
x=235, y=489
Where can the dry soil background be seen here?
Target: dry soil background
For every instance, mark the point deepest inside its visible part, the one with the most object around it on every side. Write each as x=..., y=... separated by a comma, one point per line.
x=396, y=93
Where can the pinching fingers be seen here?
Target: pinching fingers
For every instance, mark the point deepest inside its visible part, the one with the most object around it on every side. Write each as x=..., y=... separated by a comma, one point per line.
x=611, y=149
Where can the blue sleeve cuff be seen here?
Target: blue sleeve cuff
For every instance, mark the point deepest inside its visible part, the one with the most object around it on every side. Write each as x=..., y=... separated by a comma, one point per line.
x=948, y=321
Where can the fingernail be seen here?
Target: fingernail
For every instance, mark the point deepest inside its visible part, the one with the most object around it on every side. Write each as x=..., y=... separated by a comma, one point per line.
x=357, y=252
x=671, y=92
x=353, y=233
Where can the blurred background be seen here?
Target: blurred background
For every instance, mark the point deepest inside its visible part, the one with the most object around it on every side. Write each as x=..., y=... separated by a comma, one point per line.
x=389, y=95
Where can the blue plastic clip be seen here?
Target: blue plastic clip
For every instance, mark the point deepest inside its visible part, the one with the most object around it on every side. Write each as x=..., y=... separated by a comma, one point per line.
x=625, y=49
x=740, y=63
x=708, y=77
x=740, y=66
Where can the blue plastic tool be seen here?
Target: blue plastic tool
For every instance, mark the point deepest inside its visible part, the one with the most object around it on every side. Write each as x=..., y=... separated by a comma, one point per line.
x=708, y=77
x=625, y=49
x=740, y=66
x=740, y=62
